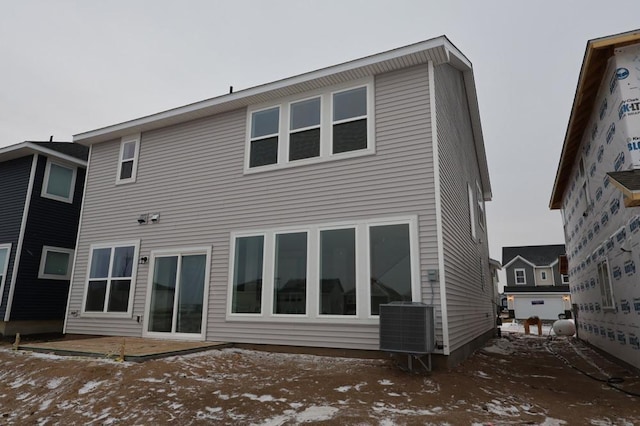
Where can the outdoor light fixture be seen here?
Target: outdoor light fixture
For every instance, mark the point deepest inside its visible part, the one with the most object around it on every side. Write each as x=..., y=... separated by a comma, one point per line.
x=142, y=219
x=143, y=260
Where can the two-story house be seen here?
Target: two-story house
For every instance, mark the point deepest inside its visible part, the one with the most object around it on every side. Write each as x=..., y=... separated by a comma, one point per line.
x=287, y=213
x=596, y=190
x=41, y=185
x=535, y=285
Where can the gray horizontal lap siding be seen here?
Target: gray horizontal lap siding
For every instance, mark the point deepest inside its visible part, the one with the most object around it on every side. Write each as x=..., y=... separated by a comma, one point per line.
x=469, y=306
x=528, y=273
x=14, y=183
x=193, y=175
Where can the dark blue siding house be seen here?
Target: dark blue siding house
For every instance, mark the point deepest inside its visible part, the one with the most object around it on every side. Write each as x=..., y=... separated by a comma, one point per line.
x=41, y=188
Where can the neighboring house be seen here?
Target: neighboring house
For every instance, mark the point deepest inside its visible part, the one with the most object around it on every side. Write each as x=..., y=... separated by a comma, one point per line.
x=535, y=286
x=286, y=213
x=596, y=189
x=41, y=185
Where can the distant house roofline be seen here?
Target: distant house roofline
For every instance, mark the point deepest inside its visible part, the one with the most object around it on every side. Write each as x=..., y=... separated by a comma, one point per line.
x=541, y=256
x=597, y=53
x=437, y=50
x=23, y=149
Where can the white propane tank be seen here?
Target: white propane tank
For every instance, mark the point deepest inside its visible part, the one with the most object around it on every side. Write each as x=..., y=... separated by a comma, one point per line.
x=564, y=327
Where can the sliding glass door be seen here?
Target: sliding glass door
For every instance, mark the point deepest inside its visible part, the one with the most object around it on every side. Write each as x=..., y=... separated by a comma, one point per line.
x=176, y=306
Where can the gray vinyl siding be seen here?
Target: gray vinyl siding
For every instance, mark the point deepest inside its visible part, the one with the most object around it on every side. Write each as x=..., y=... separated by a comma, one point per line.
x=14, y=184
x=192, y=174
x=528, y=273
x=470, y=309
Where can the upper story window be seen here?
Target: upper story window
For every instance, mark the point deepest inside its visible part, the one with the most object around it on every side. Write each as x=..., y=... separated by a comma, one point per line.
x=350, y=120
x=55, y=263
x=59, y=182
x=326, y=124
x=472, y=214
x=128, y=159
x=265, y=126
x=520, y=276
x=565, y=279
x=543, y=275
x=480, y=202
x=304, y=129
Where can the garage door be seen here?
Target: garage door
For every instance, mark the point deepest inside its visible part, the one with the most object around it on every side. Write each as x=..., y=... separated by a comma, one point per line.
x=544, y=307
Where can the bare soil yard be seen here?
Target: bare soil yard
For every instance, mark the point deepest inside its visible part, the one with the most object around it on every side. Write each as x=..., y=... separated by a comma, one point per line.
x=514, y=380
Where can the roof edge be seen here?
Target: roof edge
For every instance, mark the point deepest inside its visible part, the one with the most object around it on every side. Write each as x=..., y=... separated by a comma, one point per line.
x=174, y=115
x=30, y=147
x=565, y=163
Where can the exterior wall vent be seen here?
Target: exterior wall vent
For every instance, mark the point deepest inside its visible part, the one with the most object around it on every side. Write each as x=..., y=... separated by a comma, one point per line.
x=407, y=327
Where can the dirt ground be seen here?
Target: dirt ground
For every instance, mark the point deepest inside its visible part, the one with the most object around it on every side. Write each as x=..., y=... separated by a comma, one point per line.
x=514, y=380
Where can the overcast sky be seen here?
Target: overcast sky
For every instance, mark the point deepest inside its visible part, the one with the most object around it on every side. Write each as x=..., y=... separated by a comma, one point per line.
x=71, y=66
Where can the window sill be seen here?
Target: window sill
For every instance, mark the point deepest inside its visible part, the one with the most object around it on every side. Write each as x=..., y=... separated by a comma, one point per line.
x=127, y=315
x=303, y=319
x=307, y=161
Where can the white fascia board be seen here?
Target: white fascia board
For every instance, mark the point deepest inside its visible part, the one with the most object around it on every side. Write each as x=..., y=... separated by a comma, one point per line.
x=27, y=148
x=540, y=294
x=243, y=97
x=518, y=257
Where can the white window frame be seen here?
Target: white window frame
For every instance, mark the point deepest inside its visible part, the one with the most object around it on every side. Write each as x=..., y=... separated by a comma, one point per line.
x=182, y=251
x=45, y=181
x=303, y=129
x=524, y=276
x=326, y=126
x=481, y=212
x=358, y=269
x=606, y=304
x=472, y=212
x=543, y=275
x=363, y=271
x=4, y=268
x=308, y=283
x=43, y=261
x=134, y=273
x=564, y=278
x=134, y=169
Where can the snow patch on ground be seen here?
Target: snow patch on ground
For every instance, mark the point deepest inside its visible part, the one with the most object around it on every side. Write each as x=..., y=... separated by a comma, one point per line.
x=90, y=387
x=55, y=382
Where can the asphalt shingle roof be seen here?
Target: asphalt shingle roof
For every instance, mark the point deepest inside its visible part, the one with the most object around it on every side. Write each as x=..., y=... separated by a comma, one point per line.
x=538, y=255
x=630, y=179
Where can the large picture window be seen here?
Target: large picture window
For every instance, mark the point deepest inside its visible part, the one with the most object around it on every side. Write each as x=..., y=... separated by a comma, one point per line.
x=330, y=272
x=336, y=122
x=55, y=263
x=247, y=275
x=290, y=279
x=111, y=278
x=390, y=256
x=59, y=182
x=338, y=272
